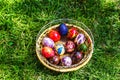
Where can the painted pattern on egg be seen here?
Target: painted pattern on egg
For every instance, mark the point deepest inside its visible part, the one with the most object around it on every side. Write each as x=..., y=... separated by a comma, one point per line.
x=60, y=48
x=80, y=39
x=66, y=61
x=70, y=46
x=48, y=42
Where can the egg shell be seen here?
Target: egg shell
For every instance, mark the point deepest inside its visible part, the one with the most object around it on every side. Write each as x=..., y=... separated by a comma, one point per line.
x=63, y=29
x=54, y=60
x=47, y=52
x=66, y=61
x=60, y=48
x=48, y=42
x=72, y=33
x=77, y=57
x=69, y=46
x=82, y=47
x=54, y=35
x=80, y=39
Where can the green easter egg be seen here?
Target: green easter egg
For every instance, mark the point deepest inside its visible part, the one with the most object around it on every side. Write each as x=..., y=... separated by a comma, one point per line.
x=82, y=47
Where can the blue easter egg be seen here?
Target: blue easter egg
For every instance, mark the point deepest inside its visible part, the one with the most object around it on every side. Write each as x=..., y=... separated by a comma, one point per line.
x=63, y=29
x=60, y=48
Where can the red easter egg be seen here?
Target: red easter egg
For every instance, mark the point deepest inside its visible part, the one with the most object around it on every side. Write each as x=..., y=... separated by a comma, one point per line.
x=47, y=52
x=54, y=35
x=72, y=33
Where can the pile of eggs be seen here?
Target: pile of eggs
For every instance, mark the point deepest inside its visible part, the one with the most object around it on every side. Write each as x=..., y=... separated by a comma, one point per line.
x=64, y=53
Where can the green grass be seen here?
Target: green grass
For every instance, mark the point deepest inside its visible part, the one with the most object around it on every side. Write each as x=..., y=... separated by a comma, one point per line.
x=21, y=20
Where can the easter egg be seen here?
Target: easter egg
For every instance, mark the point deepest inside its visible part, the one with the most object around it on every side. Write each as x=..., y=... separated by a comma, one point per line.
x=47, y=52
x=54, y=35
x=54, y=60
x=76, y=57
x=66, y=61
x=60, y=48
x=48, y=42
x=80, y=39
x=72, y=33
x=69, y=46
x=82, y=47
x=63, y=29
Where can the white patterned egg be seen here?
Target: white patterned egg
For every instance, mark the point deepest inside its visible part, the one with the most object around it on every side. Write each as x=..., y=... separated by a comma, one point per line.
x=48, y=42
x=80, y=39
x=66, y=61
x=60, y=48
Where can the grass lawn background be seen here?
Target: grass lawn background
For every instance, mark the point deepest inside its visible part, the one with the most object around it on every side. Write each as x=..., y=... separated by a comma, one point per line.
x=21, y=20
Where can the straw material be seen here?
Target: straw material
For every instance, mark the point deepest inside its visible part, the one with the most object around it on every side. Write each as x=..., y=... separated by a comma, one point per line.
x=74, y=67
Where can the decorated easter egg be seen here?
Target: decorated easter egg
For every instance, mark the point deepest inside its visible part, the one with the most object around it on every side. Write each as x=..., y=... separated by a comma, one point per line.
x=54, y=60
x=48, y=42
x=82, y=47
x=80, y=39
x=72, y=33
x=66, y=61
x=63, y=29
x=54, y=35
x=69, y=46
x=60, y=48
x=76, y=57
x=47, y=52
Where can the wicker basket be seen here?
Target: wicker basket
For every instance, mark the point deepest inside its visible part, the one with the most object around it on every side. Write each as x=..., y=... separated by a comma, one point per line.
x=45, y=30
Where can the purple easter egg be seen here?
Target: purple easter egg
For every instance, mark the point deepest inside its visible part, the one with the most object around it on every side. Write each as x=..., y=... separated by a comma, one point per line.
x=48, y=42
x=76, y=57
x=80, y=39
x=66, y=61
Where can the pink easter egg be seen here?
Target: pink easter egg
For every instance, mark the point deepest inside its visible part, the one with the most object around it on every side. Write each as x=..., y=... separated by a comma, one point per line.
x=69, y=46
